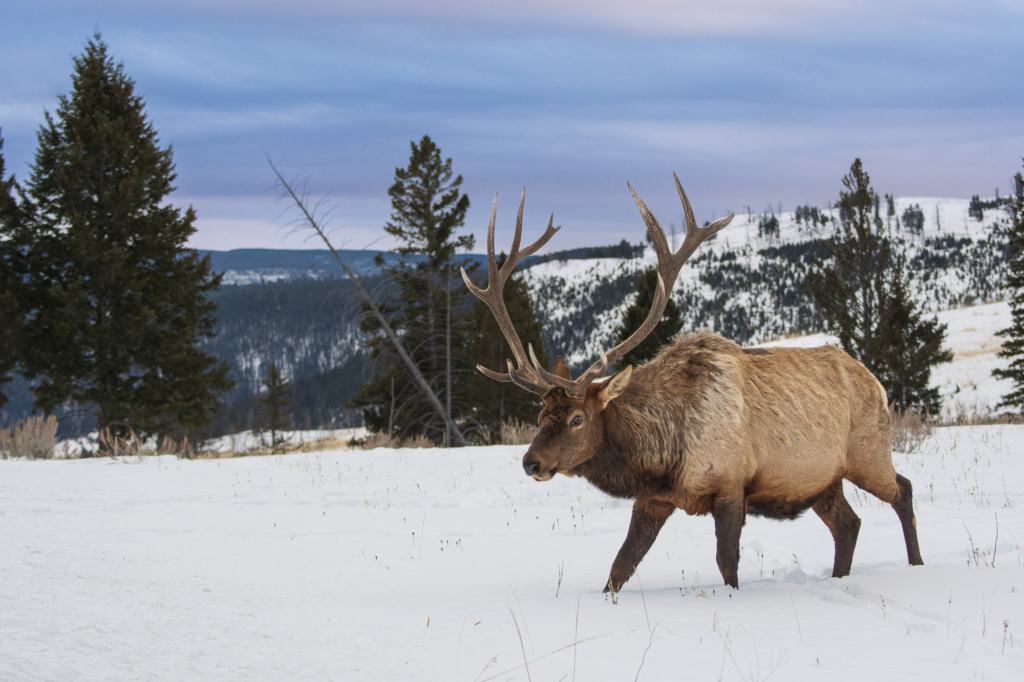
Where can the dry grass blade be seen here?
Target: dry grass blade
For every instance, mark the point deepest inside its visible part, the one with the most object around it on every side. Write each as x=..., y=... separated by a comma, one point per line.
x=521, y=645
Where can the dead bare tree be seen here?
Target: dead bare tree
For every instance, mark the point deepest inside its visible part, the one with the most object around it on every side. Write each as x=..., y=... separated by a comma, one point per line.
x=309, y=219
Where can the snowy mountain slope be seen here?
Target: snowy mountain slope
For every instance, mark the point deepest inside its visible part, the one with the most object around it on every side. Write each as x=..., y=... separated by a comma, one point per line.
x=747, y=286
x=415, y=565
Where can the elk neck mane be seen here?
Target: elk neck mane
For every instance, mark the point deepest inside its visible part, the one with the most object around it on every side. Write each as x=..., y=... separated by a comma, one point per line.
x=677, y=408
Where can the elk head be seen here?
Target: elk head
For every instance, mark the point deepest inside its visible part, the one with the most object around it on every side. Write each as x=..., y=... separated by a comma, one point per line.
x=572, y=421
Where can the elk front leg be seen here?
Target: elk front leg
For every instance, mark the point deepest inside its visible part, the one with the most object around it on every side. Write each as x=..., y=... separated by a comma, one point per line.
x=648, y=518
x=729, y=515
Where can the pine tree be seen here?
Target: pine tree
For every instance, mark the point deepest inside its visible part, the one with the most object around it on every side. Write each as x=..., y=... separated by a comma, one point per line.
x=12, y=219
x=909, y=345
x=277, y=405
x=863, y=297
x=116, y=302
x=428, y=208
x=1013, y=346
x=670, y=324
x=493, y=404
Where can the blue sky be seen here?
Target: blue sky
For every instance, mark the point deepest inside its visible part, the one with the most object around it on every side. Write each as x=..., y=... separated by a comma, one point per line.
x=750, y=103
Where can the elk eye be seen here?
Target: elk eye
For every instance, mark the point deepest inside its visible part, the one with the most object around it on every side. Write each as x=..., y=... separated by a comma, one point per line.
x=577, y=420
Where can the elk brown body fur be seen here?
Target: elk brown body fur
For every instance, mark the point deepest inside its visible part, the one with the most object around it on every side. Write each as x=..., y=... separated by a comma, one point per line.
x=707, y=426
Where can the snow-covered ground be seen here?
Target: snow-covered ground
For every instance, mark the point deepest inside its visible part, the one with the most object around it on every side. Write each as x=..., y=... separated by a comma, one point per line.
x=416, y=565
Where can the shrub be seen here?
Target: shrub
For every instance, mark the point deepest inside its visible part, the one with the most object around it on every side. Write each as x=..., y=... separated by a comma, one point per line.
x=33, y=438
x=907, y=430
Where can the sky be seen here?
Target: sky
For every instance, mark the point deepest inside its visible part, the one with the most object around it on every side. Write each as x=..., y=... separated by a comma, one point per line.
x=753, y=103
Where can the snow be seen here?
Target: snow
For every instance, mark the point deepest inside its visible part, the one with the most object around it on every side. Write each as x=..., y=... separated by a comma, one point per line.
x=409, y=565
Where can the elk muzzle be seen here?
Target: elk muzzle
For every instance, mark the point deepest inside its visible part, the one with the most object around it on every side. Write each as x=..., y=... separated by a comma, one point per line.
x=537, y=468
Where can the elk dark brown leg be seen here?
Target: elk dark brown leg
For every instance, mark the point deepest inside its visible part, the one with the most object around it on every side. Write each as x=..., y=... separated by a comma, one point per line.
x=728, y=514
x=844, y=524
x=648, y=518
x=904, y=506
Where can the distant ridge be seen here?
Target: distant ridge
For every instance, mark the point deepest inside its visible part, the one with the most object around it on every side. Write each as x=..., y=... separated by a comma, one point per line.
x=252, y=266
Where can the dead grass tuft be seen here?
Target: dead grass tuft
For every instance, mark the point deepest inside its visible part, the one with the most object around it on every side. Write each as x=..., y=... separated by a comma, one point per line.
x=384, y=440
x=908, y=429
x=32, y=438
x=514, y=432
x=112, y=445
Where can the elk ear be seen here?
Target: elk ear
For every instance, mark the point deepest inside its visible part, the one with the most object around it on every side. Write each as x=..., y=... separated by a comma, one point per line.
x=561, y=369
x=614, y=387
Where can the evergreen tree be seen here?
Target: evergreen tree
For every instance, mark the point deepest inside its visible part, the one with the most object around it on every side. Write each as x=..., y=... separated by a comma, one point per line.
x=277, y=405
x=863, y=297
x=909, y=345
x=12, y=219
x=494, y=404
x=1013, y=346
x=115, y=301
x=428, y=208
x=670, y=324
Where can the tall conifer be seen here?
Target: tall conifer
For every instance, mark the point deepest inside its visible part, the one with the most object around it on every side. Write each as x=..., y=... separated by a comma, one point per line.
x=12, y=220
x=428, y=207
x=116, y=301
x=863, y=297
x=278, y=405
x=1013, y=346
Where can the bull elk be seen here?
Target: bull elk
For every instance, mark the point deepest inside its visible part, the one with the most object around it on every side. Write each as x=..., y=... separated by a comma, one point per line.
x=707, y=426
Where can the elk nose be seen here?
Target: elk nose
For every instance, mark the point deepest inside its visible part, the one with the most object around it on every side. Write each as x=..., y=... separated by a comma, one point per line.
x=531, y=467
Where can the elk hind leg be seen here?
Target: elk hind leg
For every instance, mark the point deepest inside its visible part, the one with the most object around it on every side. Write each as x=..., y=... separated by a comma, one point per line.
x=729, y=516
x=832, y=508
x=904, y=506
x=900, y=494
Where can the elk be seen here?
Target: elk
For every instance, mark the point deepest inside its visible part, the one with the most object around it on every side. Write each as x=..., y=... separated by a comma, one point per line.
x=706, y=426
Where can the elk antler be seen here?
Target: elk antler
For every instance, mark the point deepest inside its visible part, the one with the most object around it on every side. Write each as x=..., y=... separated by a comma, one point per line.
x=530, y=374
x=526, y=374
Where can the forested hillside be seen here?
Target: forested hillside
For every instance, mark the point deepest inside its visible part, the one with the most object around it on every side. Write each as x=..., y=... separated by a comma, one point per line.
x=746, y=284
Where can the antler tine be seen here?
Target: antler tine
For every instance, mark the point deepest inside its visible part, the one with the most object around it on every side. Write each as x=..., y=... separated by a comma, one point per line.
x=695, y=235
x=654, y=228
x=497, y=376
x=491, y=263
x=691, y=222
x=513, y=253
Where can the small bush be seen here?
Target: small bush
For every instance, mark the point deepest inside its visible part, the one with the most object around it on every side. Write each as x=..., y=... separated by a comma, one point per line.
x=907, y=430
x=33, y=438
